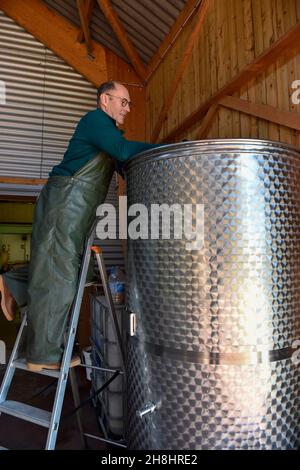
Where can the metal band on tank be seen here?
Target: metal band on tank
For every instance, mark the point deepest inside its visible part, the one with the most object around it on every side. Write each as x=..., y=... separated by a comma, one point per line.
x=235, y=358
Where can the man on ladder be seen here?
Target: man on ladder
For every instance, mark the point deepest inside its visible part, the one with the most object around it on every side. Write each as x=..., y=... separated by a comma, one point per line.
x=64, y=215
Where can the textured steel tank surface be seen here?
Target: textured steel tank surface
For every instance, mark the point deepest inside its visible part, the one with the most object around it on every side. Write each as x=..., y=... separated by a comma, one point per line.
x=214, y=362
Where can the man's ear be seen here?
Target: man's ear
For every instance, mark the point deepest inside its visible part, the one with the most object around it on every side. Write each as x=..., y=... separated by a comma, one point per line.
x=103, y=100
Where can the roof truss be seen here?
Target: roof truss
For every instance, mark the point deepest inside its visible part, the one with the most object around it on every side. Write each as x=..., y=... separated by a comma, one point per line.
x=59, y=35
x=288, y=44
x=85, y=8
x=121, y=34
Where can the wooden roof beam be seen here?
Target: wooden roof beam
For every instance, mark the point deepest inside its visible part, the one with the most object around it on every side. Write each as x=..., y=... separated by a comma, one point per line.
x=122, y=36
x=85, y=11
x=171, y=37
x=207, y=122
x=59, y=35
x=21, y=180
x=288, y=44
x=263, y=111
x=181, y=68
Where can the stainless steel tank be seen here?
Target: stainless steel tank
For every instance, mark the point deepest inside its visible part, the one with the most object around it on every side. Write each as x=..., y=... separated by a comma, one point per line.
x=214, y=361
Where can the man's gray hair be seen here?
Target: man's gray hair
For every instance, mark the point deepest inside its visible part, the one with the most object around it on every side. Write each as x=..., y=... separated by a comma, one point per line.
x=105, y=87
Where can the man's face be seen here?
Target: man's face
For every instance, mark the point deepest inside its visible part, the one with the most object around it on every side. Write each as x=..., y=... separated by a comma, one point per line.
x=111, y=103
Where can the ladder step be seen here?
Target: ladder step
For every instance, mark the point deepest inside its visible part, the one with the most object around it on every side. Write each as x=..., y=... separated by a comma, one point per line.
x=21, y=363
x=26, y=412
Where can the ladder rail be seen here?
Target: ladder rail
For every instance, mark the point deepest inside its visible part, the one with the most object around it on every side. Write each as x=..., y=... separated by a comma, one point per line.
x=62, y=381
x=79, y=413
x=10, y=369
x=40, y=416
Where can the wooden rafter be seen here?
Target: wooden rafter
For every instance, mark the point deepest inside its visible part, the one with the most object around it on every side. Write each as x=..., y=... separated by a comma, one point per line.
x=88, y=12
x=167, y=43
x=288, y=44
x=20, y=180
x=85, y=11
x=263, y=111
x=59, y=35
x=181, y=68
x=122, y=36
x=207, y=122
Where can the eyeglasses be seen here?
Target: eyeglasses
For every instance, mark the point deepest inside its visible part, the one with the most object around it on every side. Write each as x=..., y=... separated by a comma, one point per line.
x=124, y=101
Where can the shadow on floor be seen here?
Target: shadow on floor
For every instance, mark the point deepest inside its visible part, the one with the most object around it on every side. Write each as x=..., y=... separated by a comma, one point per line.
x=38, y=391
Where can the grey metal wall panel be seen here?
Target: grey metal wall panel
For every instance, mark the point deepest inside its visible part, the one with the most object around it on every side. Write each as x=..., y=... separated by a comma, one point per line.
x=22, y=70
x=67, y=96
x=45, y=98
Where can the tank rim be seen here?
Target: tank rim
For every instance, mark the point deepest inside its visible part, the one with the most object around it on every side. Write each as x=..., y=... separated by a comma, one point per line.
x=209, y=146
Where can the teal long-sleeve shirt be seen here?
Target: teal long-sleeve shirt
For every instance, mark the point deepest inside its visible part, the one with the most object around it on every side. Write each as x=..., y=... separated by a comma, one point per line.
x=96, y=131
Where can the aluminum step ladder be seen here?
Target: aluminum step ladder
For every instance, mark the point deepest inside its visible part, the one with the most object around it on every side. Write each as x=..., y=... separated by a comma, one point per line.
x=47, y=419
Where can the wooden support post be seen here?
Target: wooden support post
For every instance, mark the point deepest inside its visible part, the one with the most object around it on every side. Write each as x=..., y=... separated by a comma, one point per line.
x=207, y=122
x=84, y=20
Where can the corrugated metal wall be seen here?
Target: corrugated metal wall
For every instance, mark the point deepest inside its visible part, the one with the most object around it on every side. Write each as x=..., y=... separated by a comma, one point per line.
x=45, y=99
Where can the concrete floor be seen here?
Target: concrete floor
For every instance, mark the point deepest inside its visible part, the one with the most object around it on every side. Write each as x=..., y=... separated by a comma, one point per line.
x=38, y=391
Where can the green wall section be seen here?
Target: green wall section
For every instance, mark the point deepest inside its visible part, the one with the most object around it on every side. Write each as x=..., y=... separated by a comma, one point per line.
x=16, y=213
